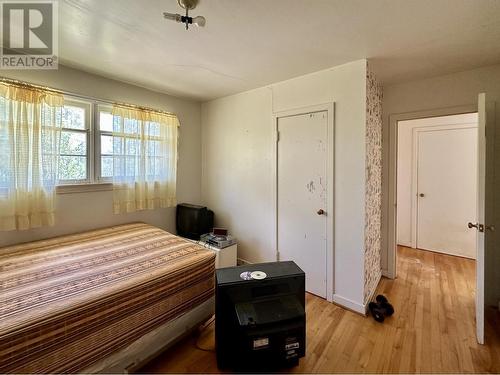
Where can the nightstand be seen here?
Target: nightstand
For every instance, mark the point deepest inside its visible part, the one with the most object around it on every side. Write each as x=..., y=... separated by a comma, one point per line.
x=226, y=257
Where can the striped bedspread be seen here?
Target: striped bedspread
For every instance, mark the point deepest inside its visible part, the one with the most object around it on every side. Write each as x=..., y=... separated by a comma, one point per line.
x=67, y=302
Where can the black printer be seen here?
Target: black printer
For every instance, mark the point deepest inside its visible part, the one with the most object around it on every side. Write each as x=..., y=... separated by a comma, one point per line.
x=260, y=321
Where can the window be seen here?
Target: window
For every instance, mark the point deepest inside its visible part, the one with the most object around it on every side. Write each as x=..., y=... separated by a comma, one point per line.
x=75, y=142
x=49, y=139
x=120, y=155
x=94, y=146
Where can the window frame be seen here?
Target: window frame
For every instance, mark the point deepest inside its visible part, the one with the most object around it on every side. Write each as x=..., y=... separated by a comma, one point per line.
x=88, y=108
x=98, y=133
x=94, y=181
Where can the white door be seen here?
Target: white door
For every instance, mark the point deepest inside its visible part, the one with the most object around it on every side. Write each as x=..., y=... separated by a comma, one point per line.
x=302, y=195
x=485, y=191
x=446, y=189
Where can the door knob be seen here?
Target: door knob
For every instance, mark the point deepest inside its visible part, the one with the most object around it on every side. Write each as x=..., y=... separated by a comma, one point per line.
x=321, y=212
x=479, y=227
x=421, y=195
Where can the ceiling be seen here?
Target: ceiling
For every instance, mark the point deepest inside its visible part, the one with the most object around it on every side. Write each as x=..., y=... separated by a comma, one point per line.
x=252, y=43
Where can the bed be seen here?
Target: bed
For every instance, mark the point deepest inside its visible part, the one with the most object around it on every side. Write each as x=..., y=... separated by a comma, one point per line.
x=99, y=300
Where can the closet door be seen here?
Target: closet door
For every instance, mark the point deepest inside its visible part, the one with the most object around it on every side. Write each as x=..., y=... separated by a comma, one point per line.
x=302, y=195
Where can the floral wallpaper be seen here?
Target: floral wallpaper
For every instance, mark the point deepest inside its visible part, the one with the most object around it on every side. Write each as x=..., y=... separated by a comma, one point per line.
x=373, y=194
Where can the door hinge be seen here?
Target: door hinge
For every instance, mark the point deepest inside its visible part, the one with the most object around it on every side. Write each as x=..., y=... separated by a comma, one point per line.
x=277, y=256
x=277, y=136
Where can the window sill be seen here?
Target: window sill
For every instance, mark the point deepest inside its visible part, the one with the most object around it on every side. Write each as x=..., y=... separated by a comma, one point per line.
x=83, y=188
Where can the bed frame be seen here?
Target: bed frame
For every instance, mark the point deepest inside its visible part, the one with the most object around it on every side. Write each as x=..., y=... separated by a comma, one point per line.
x=141, y=351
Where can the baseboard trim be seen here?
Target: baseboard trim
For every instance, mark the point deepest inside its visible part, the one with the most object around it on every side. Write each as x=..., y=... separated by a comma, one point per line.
x=349, y=304
x=405, y=244
x=337, y=299
x=240, y=262
x=387, y=274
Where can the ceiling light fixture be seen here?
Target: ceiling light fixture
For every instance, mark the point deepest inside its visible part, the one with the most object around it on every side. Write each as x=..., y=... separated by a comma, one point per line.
x=188, y=5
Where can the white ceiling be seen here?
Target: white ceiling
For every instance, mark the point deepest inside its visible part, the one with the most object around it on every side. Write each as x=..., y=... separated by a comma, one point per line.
x=251, y=43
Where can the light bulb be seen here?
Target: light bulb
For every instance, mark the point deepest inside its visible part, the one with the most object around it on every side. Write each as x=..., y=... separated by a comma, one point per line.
x=199, y=21
x=172, y=16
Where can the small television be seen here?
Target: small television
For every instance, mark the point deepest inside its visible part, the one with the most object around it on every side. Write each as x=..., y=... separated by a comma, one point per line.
x=192, y=221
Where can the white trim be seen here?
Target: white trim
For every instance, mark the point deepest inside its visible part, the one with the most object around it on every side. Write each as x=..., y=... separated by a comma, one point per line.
x=354, y=306
x=392, y=197
x=241, y=261
x=349, y=304
x=339, y=300
x=405, y=244
x=83, y=188
x=330, y=247
x=87, y=109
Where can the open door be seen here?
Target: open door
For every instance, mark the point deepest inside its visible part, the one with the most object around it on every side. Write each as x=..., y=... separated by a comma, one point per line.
x=485, y=129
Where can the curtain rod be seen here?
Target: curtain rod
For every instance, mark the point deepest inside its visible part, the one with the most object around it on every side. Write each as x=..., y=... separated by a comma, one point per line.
x=32, y=86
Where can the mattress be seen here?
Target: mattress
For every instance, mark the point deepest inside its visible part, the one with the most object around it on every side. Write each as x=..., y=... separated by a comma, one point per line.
x=68, y=302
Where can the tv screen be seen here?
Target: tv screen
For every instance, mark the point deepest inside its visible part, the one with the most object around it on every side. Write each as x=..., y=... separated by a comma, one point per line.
x=192, y=221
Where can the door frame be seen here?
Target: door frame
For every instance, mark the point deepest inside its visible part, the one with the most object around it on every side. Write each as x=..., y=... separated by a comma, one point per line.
x=391, y=232
x=414, y=176
x=330, y=171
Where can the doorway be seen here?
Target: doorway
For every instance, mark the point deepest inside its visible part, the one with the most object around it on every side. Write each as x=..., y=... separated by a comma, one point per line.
x=304, y=194
x=485, y=187
x=436, y=179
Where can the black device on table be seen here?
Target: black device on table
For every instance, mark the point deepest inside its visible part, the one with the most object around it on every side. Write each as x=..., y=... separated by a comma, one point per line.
x=192, y=221
x=260, y=324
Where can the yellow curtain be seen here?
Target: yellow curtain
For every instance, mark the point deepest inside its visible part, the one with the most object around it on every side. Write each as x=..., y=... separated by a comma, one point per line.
x=144, y=159
x=30, y=127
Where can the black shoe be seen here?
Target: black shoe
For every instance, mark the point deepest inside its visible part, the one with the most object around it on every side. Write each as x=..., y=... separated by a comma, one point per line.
x=380, y=309
x=376, y=312
x=385, y=305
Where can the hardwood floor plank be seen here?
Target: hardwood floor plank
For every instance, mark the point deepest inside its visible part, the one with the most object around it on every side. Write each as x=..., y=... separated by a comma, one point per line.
x=432, y=330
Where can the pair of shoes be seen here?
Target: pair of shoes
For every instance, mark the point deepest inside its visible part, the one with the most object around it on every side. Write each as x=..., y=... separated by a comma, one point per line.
x=380, y=309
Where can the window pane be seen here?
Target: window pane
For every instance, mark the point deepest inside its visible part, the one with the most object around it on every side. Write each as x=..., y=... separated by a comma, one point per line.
x=49, y=145
x=4, y=170
x=153, y=148
x=118, y=166
x=5, y=157
x=131, y=146
x=73, y=117
x=106, y=144
x=154, y=166
x=130, y=126
x=131, y=167
x=73, y=143
x=106, y=166
x=49, y=169
x=72, y=168
x=152, y=129
x=106, y=121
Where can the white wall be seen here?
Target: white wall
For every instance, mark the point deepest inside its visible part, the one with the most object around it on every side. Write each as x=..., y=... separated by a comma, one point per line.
x=406, y=224
x=83, y=211
x=237, y=159
x=441, y=92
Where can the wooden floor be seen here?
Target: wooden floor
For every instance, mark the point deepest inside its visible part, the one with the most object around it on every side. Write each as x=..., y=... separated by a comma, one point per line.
x=432, y=329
